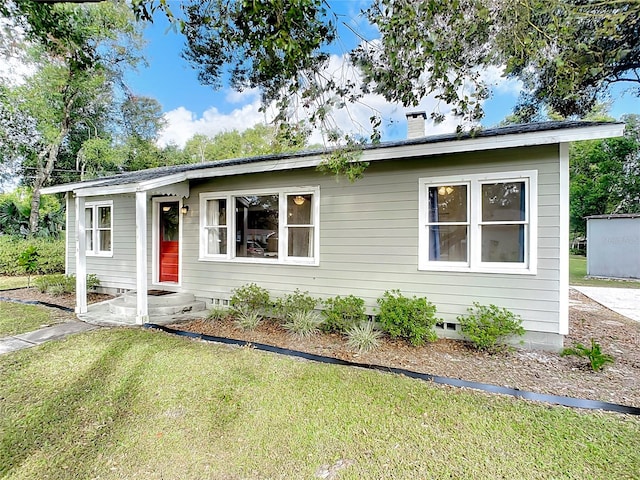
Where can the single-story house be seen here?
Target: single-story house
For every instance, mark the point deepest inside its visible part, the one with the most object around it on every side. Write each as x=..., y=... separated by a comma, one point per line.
x=457, y=218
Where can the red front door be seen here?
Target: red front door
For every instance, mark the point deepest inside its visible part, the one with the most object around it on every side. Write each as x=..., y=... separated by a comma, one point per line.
x=169, y=246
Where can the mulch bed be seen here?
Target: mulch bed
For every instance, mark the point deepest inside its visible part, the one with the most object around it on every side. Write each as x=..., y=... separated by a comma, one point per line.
x=533, y=370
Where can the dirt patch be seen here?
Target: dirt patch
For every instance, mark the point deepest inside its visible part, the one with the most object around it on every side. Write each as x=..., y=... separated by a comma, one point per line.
x=67, y=300
x=532, y=370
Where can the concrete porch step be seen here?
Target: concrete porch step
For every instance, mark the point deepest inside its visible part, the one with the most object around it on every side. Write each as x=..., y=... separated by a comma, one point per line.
x=165, y=305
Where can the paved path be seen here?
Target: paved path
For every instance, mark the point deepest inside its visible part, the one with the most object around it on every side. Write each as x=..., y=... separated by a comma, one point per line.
x=625, y=301
x=37, y=337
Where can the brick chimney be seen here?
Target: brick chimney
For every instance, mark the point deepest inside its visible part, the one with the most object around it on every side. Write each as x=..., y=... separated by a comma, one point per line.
x=416, y=124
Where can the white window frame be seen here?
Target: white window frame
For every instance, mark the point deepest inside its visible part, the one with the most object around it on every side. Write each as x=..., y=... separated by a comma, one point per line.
x=95, y=231
x=474, y=262
x=283, y=226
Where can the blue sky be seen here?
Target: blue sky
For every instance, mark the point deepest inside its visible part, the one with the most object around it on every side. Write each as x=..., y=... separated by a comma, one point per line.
x=194, y=108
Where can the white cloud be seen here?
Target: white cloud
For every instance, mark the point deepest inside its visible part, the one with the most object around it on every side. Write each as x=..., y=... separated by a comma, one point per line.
x=182, y=124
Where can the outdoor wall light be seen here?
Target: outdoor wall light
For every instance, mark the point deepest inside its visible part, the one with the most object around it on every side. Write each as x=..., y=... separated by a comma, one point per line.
x=298, y=199
x=185, y=209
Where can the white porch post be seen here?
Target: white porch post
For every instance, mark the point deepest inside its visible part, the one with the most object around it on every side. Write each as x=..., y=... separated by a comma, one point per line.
x=81, y=258
x=142, y=307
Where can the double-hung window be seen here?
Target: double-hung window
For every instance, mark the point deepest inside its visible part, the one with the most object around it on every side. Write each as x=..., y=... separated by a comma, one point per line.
x=278, y=226
x=98, y=221
x=484, y=222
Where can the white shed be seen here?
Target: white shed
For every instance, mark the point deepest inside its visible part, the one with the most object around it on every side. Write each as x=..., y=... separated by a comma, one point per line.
x=613, y=246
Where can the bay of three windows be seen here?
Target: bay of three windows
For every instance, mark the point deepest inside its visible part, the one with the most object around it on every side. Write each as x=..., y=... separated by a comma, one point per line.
x=278, y=227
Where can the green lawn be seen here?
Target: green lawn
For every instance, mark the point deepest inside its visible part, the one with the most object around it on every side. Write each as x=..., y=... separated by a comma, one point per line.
x=578, y=272
x=129, y=403
x=14, y=282
x=16, y=318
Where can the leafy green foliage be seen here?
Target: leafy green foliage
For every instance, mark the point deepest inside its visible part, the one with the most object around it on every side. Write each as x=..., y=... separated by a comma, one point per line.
x=363, y=337
x=342, y=312
x=292, y=303
x=604, y=176
x=410, y=318
x=59, y=284
x=247, y=319
x=344, y=162
x=250, y=298
x=303, y=323
x=15, y=209
x=597, y=359
x=217, y=313
x=486, y=327
x=28, y=260
x=50, y=254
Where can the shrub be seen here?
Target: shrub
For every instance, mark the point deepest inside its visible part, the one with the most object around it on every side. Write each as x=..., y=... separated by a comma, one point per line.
x=50, y=254
x=486, y=327
x=59, y=284
x=340, y=313
x=303, y=323
x=363, y=337
x=294, y=302
x=410, y=318
x=248, y=319
x=596, y=358
x=250, y=298
x=28, y=261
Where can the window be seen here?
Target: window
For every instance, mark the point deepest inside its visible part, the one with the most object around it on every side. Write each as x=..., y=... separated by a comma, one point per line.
x=262, y=227
x=479, y=223
x=98, y=228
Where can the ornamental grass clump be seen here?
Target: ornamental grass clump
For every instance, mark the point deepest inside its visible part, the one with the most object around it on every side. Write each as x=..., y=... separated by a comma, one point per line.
x=248, y=319
x=217, y=313
x=412, y=319
x=487, y=327
x=363, y=337
x=303, y=323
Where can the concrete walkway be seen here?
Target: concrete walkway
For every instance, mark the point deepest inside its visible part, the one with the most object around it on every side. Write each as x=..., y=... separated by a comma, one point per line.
x=38, y=337
x=625, y=301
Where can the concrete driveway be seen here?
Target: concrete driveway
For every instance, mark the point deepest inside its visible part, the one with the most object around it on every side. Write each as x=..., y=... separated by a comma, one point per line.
x=625, y=301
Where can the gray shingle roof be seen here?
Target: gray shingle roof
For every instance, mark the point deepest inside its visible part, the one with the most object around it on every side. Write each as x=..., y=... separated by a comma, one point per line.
x=160, y=172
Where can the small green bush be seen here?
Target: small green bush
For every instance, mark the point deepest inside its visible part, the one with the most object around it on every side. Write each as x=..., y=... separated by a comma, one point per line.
x=50, y=254
x=596, y=358
x=303, y=323
x=292, y=303
x=340, y=313
x=250, y=298
x=486, y=327
x=363, y=337
x=410, y=318
x=59, y=284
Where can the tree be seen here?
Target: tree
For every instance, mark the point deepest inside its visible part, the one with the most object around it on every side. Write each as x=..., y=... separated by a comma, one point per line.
x=258, y=140
x=84, y=51
x=605, y=176
x=566, y=52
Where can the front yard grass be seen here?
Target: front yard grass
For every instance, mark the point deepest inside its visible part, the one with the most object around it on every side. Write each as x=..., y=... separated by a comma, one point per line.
x=7, y=282
x=16, y=318
x=129, y=403
x=578, y=276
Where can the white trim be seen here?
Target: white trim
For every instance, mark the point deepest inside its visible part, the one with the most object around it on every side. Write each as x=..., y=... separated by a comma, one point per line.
x=283, y=257
x=425, y=148
x=563, y=326
x=94, y=252
x=81, y=258
x=67, y=205
x=142, y=306
x=155, y=239
x=474, y=262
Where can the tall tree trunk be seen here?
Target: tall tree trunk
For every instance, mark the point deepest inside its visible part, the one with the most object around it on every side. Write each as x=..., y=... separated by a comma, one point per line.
x=46, y=162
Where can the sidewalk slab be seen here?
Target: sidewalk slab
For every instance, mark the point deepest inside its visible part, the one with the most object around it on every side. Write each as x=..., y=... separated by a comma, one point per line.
x=625, y=301
x=11, y=344
x=55, y=332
